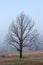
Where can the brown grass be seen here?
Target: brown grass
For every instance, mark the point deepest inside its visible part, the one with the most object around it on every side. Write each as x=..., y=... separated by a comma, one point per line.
x=29, y=58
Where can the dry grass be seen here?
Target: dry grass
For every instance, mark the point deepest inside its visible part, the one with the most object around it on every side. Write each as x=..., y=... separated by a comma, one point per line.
x=29, y=58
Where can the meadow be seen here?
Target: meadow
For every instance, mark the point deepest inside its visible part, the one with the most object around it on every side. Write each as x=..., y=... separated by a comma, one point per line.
x=29, y=58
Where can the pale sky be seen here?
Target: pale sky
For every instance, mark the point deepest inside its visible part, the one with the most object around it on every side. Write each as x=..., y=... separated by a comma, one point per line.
x=9, y=9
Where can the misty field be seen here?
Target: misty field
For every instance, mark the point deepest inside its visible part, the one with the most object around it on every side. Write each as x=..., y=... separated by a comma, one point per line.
x=29, y=58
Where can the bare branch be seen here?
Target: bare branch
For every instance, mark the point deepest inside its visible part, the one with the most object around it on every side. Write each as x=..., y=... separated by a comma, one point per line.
x=22, y=33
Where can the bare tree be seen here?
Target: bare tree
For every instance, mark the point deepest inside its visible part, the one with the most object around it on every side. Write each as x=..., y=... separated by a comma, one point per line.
x=21, y=33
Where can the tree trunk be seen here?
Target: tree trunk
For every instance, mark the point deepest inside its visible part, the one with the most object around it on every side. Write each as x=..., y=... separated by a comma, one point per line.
x=20, y=54
x=20, y=50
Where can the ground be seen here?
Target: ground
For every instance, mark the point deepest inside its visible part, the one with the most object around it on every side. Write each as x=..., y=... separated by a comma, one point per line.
x=29, y=58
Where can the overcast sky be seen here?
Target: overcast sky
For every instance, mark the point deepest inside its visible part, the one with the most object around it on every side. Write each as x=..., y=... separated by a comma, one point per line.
x=9, y=9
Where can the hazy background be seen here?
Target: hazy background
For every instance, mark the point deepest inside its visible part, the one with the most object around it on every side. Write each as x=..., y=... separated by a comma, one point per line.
x=9, y=9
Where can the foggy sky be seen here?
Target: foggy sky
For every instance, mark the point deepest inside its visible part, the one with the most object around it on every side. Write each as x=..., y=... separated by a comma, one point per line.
x=9, y=9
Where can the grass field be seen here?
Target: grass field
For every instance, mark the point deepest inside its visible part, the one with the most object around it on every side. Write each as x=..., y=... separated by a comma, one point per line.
x=29, y=58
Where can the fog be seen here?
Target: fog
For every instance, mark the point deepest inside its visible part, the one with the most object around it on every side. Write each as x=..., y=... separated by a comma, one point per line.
x=10, y=9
